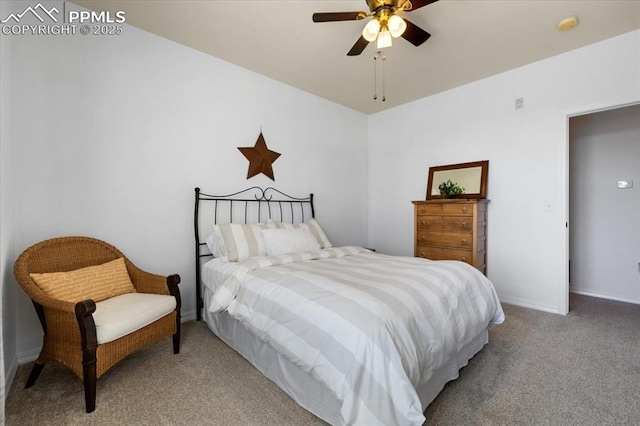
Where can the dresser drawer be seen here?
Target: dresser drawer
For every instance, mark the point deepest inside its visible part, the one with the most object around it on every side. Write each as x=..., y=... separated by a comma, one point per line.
x=429, y=209
x=442, y=253
x=444, y=239
x=457, y=209
x=445, y=224
x=438, y=209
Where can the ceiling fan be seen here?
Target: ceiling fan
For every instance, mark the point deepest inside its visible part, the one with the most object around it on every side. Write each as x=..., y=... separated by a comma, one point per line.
x=384, y=26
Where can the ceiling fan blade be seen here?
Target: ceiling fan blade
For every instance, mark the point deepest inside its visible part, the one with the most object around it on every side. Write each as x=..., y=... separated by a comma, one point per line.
x=338, y=16
x=414, y=34
x=417, y=4
x=359, y=47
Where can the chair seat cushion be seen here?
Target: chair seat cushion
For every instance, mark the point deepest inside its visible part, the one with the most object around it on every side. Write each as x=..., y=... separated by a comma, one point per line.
x=124, y=314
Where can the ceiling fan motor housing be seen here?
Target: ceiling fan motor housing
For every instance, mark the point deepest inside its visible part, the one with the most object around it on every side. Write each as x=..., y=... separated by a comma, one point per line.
x=381, y=8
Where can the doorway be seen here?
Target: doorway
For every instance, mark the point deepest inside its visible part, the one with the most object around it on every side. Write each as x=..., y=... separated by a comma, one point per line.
x=604, y=204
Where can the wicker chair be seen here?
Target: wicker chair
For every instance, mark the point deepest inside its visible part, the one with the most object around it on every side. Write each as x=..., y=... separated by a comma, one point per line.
x=70, y=336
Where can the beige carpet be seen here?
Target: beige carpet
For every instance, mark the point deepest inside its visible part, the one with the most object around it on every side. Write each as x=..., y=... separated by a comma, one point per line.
x=538, y=369
x=207, y=383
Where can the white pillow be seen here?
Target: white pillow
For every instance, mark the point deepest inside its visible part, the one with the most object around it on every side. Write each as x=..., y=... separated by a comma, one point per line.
x=215, y=242
x=317, y=231
x=243, y=241
x=312, y=226
x=280, y=241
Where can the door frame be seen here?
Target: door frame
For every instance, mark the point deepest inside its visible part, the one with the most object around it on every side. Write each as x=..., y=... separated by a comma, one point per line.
x=563, y=305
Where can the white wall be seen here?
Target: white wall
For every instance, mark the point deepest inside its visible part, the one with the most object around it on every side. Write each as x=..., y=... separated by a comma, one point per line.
x=605, y=221
x=526, y=149
x=7, y=311
x=112, y=133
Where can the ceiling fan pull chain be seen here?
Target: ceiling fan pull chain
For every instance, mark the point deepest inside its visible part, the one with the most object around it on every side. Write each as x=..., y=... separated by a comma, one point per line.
x=384, y=61
x=375, y=76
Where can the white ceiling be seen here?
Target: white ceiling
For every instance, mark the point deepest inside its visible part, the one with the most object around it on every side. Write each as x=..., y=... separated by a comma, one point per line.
x=470, y=40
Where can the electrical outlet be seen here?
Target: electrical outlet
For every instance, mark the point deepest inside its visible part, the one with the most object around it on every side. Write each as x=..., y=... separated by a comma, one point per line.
x=625, y=184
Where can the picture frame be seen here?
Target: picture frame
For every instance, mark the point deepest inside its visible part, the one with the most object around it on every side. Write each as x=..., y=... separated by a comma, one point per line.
x=471, y=176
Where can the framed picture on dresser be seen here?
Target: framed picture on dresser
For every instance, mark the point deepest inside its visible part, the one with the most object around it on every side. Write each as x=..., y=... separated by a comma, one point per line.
x=471, y=177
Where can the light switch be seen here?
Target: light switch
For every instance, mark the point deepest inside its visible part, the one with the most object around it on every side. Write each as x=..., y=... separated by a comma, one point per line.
x=625, y=184
x=519, y=103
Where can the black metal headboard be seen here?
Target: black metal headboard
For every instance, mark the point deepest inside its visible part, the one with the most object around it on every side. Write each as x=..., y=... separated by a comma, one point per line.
x=251, y=205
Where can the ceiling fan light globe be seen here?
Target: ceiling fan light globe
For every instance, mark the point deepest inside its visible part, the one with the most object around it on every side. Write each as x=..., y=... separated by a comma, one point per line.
x=371, y=30
x=384, y=40
x=396, y=26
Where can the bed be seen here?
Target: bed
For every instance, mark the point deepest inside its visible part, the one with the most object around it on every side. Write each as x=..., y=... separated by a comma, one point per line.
x=353, y=336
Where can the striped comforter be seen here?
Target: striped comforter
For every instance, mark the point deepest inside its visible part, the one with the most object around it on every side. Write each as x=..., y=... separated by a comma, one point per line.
x=371, y=328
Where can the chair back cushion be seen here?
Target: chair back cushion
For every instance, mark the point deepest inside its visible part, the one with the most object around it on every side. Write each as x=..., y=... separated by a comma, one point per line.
x=98, y=282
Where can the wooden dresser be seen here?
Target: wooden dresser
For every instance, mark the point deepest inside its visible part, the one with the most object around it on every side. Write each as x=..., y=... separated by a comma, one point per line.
x=451, y=229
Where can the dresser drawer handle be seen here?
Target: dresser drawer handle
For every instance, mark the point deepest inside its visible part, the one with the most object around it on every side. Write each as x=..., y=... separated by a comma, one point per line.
x=423, y=254
x=464, y=209
x=463, y=242
x=464, y=258
x=422, y=210
x=423, y=223
x=464, y=225
x=423, y=238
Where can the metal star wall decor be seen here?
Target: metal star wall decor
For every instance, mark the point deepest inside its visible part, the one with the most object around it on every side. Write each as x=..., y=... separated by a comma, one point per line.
x=260, y=158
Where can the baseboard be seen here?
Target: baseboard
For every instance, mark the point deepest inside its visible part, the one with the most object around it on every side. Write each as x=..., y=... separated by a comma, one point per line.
x=28, y=355
x=604, y=296
x=527, y=304
x=188, y=316
x=10, y=375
